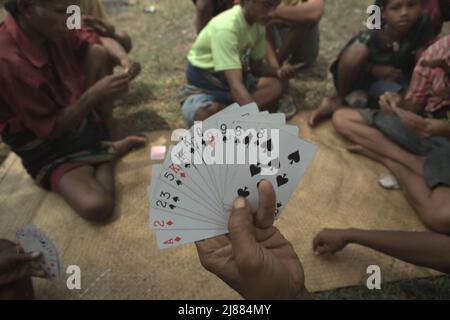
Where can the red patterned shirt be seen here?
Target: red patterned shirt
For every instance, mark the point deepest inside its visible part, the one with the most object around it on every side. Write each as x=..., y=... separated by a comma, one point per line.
x=33, y=88
x=431, y=87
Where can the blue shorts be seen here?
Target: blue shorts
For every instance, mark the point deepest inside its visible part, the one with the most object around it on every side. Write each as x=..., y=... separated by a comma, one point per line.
x=215, y=87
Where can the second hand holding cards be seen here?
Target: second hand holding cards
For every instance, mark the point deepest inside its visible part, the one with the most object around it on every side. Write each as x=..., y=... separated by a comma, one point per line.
x=31, y=239
x=218, y=160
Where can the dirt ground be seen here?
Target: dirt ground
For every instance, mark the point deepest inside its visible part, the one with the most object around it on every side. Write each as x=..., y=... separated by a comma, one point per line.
x=161, y=42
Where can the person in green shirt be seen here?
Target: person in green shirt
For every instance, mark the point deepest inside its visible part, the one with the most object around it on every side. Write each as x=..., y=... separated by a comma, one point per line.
x=226, y=63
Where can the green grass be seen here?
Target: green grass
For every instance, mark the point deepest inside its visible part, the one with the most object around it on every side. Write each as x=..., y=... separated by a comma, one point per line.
x=161, y=42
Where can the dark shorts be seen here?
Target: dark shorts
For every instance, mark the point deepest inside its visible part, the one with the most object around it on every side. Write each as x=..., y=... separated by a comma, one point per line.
x=436, y=150
x=306, y=52
x=49, y=156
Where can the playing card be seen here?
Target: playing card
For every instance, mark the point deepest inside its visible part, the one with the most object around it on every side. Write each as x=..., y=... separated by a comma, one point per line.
x=31, y=239
x=222, y=158
x=293, y=159
x=172, y=238
x=170, y=209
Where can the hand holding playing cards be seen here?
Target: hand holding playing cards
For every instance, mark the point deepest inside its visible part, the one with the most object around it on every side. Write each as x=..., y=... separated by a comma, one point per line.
x=255, y=259
x=16, y=266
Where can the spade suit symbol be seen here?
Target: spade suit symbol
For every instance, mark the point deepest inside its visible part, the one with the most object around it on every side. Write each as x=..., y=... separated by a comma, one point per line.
x=243, y=192
x=282, y=180
x=294, y=157
x=255, y=169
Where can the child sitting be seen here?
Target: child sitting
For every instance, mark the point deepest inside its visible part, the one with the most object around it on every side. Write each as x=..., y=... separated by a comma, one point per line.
x=378, y=61
x=226, y=60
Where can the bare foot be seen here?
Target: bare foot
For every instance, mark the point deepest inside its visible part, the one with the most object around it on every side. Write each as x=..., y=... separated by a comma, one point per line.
x=129, y=143
x=117, y=135
x=327, y=107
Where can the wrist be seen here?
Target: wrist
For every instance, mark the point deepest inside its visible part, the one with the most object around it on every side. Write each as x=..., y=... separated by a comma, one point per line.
x=92, y=96
x=351, y=235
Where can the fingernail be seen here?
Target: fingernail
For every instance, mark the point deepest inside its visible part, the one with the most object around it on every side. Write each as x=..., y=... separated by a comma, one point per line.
x=240, y=203
x=35, y=254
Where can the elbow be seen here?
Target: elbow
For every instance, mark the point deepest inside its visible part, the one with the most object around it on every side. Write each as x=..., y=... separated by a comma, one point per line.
x=316, y=17
x=316, y=14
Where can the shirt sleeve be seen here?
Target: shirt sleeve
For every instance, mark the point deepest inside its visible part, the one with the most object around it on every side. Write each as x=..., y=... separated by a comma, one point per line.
x=35, y=111
x=83, y=39
x=259, y=52
x=225, y=51
x=419, y=89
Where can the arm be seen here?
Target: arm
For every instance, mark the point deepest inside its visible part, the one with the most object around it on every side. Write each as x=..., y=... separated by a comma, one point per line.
x=106, y=88
x=261, y=69
x=420, y=248
x=120, y=56
x=114, y=49
x=271, y=55
x=238, y=90
x=204, y=13
x=309, y=12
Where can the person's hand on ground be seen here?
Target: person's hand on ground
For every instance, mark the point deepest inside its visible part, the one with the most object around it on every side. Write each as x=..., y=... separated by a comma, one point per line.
x=383, y=72
x=16, y=266
x=390, y=101
x=255, y=259
x=100, y=27
x=330, y=241
x=131, y=67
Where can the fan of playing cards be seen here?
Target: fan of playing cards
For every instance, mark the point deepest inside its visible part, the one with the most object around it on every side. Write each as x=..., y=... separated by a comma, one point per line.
x=31, y=239
x=215, y=162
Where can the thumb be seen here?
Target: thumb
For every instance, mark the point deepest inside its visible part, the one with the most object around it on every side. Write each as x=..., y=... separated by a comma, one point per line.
x=242, y=231
x=321, y=250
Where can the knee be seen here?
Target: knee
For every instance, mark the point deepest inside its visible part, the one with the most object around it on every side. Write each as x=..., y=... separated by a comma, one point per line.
x=439, y=220
x=125, y=41
x=97, y=208
x=98, y=53
x=355, y=56
x=204, y=113
x=341, y=120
